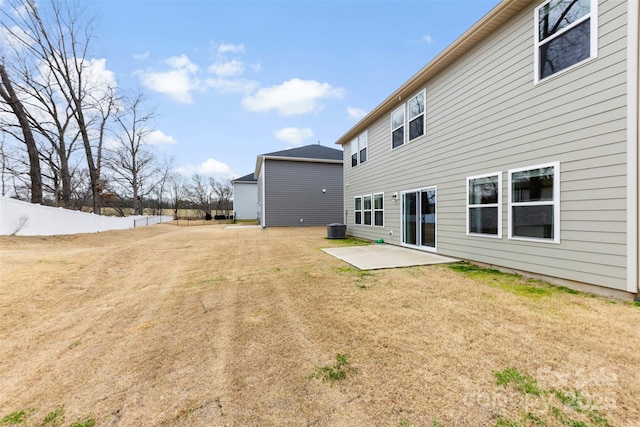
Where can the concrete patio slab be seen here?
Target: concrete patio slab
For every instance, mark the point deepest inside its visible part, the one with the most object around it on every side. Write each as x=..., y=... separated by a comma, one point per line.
x=374, y=257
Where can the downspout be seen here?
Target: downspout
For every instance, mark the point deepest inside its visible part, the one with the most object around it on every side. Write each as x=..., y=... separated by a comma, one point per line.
x=633, y=158
x=637, y=142
x=263, y=172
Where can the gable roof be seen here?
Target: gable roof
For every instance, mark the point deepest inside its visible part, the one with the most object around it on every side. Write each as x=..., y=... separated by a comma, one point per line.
x=249, y=178
x=315, y=153
x=497, y=16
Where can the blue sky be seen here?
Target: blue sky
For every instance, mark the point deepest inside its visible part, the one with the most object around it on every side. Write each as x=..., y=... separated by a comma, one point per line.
x=230, y=80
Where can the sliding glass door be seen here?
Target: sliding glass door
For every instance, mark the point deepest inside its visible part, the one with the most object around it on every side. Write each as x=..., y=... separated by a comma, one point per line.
x=419, y=218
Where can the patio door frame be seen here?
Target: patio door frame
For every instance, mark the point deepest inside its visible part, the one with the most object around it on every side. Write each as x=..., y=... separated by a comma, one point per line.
x=420, y=219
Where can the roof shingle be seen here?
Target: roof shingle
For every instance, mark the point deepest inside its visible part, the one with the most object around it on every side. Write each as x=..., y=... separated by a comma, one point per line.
x=314, y=151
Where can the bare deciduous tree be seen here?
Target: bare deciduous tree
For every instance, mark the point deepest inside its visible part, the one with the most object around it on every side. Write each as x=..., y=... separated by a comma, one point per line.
x=162, y=184
x=56, y=38
x=223, y=189
x=200, y=194
x=10, y=97
x=177, y=192
x=131, y=163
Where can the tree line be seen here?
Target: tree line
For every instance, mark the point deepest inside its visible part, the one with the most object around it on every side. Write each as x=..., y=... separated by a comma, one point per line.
x=69, y=136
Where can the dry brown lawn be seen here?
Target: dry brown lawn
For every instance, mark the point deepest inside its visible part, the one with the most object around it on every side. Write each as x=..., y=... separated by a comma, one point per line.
x=207, y=326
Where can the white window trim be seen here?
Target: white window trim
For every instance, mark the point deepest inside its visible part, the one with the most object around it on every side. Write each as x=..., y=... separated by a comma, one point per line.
x=370, y=196
x=402, y=231
x=363, y=136
x=593, y=43
x=357, y=147
x=373, y=207
x=404, y=127
x=555, y=203
x=423, y=114
x=489, y=205
x=354, y=146
x=355, y=211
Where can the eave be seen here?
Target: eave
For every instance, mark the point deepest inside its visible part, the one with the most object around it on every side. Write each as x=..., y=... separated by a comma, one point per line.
x=501, y=13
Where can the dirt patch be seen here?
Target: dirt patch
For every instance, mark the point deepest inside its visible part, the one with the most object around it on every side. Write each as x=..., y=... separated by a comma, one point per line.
x=178, y=326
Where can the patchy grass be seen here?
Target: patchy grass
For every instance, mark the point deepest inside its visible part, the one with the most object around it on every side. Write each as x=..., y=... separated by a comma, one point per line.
x=513, y=283
x=524, y=383
x=351, y=241
x=360, y=275
x=55, y=418
x=18, y=417
x=539, y=406
x=239, y=352
x=336, y=372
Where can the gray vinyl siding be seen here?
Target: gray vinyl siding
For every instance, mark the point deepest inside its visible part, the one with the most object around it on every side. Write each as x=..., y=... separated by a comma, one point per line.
x=484, y=114
x=293, y=191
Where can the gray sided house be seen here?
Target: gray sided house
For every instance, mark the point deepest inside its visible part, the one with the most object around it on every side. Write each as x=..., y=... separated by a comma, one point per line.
x=245, y=197
x=517, y=146
x=300, y=186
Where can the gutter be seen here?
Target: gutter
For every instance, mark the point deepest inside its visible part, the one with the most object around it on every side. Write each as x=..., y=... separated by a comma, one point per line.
x=261, y=160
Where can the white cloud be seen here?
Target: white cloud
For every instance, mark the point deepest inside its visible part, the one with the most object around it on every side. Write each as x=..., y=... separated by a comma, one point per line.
x=292, y=97
x=224, y=48
x=8, y=39
x=157, y=137
x=232, y=85
x=210, y=167
x=356, y=113
x=427, y=39
x=294, y=135
x=214, y=167
x=181, y=80
x=177, y=83
x=98, y=75
x=111, y=143
x=182, y=62
x=141, y=56
x=227, y=69
x=97, y=79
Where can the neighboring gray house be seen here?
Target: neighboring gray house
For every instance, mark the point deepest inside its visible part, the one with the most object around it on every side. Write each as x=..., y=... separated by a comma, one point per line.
x=300, y=186
x=517, y=146
x=245, y=197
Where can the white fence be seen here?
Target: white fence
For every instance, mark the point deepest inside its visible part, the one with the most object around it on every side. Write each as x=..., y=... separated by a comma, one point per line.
x=26, y=219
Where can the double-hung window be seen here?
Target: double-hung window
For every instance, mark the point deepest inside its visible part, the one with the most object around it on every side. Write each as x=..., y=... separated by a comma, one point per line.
x=357, y=209
x=566, y=34
x=397, y=127
x=359, y=149
x=369, y=209
x=354, y=152
x=534, y=203
x=366, y=209
x=408, y=121
x=484, y=205
x=378, y=209
x=416, y=116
